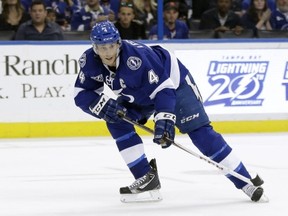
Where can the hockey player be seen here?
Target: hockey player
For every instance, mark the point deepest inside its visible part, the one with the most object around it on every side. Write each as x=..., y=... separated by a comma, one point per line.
x=148, y=80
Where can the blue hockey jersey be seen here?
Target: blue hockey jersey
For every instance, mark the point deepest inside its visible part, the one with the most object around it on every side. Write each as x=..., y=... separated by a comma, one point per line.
x=144, y=76
x=279, y=21
x=181, y=31
x=82, y=18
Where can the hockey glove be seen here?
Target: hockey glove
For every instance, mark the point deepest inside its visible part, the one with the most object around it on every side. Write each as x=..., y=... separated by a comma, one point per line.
x=164, y=131
x=106, y=108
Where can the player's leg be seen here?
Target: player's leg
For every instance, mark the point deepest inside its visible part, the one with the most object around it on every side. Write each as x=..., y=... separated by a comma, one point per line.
x=212, y=144
x=131, y=148
x=193, y=120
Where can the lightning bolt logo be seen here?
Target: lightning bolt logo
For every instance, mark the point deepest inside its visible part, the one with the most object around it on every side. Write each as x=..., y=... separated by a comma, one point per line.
x=237, y=83
x=242, y=85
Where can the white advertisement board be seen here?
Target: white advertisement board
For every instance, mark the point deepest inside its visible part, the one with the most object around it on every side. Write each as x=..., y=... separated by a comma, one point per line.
x=241, y=83
x=37, y=83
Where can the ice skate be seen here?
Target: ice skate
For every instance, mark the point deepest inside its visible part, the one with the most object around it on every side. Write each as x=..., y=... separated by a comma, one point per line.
x=255, y=193
x=144, y=189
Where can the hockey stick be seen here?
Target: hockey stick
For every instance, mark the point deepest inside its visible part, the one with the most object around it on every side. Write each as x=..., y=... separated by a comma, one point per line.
x=257, y=181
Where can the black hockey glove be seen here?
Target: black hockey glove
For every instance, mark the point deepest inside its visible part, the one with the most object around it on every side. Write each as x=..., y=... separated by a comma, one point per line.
x=164, y=131
x=106, y=108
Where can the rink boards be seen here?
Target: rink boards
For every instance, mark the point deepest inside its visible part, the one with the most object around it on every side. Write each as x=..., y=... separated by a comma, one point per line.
x=244, y=85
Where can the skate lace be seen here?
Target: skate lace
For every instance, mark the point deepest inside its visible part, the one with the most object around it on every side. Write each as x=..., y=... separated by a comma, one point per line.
x=249, y=189
x=138, y=182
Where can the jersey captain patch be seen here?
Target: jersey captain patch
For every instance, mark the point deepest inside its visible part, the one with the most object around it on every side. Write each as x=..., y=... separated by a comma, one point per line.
x=134, y=62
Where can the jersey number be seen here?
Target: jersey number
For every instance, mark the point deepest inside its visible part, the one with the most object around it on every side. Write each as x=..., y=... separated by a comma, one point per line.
x=152, y=77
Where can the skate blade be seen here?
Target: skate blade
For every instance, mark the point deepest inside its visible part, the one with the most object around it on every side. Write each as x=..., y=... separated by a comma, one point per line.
x=264, y=199
x=148, y=196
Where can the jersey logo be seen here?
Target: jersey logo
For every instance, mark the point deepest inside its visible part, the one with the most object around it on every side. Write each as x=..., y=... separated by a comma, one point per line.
x=109, y=81
x=236, y=83
x=122, y=83
x=278, y=18
x=134, y=62
x=82, y=60
x=98, y=78
x=131, y=98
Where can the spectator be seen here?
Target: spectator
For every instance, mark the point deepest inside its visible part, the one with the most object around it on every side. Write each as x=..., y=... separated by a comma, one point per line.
x=51, y=14
x=115, y=4
x=12, y=16
x=200, y=6
x=182, y=9
x=111, y=5
x=128, y=27
x=64, y=10
x=38, y=28
x=279, y=17
x=221, y=18
x=270, y=3
x=27, y=3
x=257, y=16
x=85, y=18
x=52, y=17
x=237, y=7
x=146, y=12
x=173, y=27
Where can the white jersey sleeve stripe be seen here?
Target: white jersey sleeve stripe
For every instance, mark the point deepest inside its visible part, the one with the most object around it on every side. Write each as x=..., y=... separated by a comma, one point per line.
x=174, y=70
x=77, y=91
x=166, y=84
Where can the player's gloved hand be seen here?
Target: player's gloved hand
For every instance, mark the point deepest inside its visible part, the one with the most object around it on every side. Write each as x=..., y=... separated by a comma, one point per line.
x=164, y=131
x=107, y=108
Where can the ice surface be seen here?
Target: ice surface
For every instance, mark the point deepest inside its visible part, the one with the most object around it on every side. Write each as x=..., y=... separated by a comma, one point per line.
x=82, y=177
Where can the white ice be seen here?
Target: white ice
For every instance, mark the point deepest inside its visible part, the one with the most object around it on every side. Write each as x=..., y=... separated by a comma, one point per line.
x=82, y=176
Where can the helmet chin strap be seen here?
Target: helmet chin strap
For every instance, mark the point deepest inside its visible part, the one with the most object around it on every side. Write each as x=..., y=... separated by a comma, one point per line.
x=117, y=56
